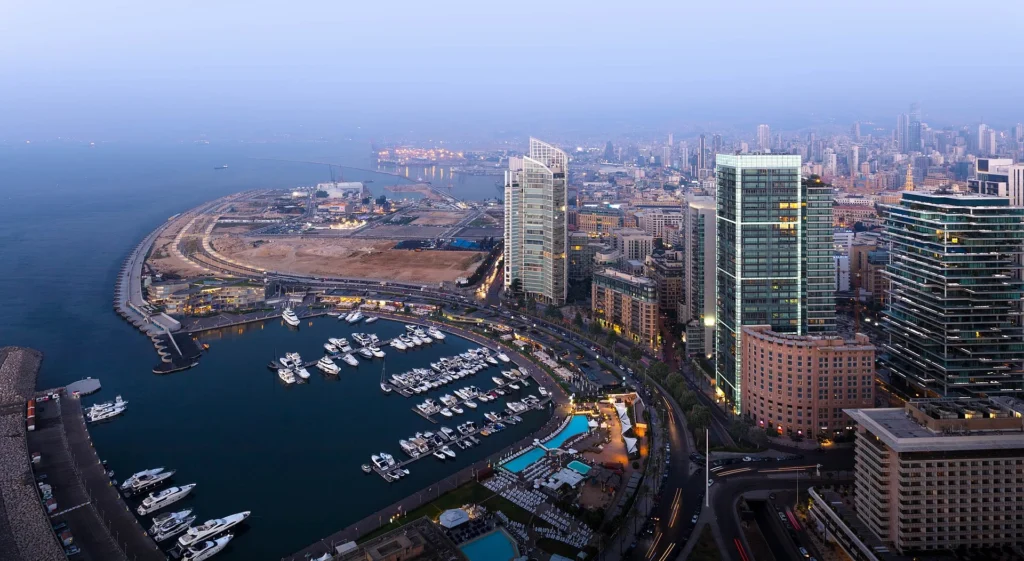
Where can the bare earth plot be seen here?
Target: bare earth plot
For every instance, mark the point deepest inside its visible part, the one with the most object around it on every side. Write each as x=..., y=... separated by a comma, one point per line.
x=439, y=218
x=346, y=257
x=163, y=260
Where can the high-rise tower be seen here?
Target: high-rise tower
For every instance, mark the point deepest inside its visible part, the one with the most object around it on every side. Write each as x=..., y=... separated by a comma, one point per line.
x=770, y=226
x=535, y=227
x=953, y=319
x=764, y=138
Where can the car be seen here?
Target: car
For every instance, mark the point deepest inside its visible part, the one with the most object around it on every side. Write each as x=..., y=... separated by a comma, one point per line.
x=747, y=459
x=72, y=550
x=694, y=519
x=711, y=482
x=804, y=552
x=630, y=370
x=60, y=527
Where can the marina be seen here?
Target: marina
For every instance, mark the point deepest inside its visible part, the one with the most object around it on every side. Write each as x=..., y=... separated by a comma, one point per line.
x=218, y=448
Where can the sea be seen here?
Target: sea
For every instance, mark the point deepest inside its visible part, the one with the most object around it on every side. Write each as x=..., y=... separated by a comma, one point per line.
x=70, y=213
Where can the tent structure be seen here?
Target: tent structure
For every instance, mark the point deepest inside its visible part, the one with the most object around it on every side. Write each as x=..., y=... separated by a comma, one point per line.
x=453, y=517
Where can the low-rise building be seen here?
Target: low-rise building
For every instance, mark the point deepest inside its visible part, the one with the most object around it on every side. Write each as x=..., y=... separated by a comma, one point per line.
x=942, y=474
x=848, y=215
x=598, y=219
x=800, y=384
x=632, y=243
x=210, y=295
x=626, y=304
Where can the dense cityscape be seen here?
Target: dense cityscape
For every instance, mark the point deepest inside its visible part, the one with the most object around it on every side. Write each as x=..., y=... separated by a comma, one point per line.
x=544, y=281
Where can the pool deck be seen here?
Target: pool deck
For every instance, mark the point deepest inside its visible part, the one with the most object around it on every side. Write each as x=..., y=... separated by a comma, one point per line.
x=511, y=541
x=466, y=474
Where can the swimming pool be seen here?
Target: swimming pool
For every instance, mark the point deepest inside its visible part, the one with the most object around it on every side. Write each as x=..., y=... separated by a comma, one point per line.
x=496, y=546
x=577, y=425
x=579, y=467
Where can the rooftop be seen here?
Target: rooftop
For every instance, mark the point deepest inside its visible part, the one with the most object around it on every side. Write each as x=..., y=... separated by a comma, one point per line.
x=632, y=279
x=945, y=425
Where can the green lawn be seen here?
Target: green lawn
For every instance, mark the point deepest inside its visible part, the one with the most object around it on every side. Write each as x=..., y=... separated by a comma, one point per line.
x=470, y=493
x=556, y=547
x=706, y=549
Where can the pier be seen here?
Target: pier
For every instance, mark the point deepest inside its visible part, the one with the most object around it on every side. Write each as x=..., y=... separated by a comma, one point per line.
x=98, y=519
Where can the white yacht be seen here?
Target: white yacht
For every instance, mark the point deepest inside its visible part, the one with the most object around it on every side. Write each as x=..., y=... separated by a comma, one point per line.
x=371, y=319
x=470, y=403
x=503, y=357
x=377, y=352
x=435, y=333
x=447, y=451
x=289, y=317
x=498, y=380
x=386, y=388
x=296, y=358
x=161, y=499
x=103, y=414
x=207, y=549
x=211, y=528
x=361, y=338
x=144, y=482
x=302, y=373
x=107, y=405
x=491, y=360
x=513, y=385
x=338, y=343
x=168, y=525
x=286, y=376
x=416, y=340
x=356, y=317
x=327, y=365
x=439, y=455
x=366, y=352
x=330, y=348
x=350, y=360
x=398, y=344
x=446, y=412
x=286, y=362
x=140, y=476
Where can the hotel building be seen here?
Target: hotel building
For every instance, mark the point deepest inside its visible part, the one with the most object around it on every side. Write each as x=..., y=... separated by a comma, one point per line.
x=800, y=384
x=942, y=474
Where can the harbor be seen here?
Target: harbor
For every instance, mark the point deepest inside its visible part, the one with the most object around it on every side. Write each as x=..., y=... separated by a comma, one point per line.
x=234, y=427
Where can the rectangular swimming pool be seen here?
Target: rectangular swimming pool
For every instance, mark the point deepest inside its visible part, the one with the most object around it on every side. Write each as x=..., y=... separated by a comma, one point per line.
x=496, y=546
x=579, y=467
x=577, y=425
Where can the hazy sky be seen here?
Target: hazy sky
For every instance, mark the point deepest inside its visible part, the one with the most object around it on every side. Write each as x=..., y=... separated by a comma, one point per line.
x=114, y=69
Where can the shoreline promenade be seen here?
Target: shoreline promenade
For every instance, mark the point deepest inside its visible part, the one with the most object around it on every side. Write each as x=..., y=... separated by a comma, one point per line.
x=413, y=501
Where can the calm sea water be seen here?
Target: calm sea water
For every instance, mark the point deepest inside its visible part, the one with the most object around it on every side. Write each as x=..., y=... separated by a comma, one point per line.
x=68, y=217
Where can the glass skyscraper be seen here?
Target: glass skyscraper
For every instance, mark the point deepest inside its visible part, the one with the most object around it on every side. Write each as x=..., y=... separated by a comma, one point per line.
x=535, y=227
x=774, y=256
x=953, y=316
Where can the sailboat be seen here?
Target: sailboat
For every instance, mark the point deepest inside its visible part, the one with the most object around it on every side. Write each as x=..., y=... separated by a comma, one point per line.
x=384, y=386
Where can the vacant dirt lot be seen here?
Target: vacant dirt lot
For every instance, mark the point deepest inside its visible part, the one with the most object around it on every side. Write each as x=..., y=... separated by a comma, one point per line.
x=438, y=218
x=372, y=259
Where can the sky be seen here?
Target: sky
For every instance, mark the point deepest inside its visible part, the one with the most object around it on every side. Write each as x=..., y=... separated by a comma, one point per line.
x=117, y=69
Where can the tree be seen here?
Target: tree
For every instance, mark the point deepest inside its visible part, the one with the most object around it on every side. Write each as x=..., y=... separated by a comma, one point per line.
x=659, y=370
x=552, y=312
x=610, y=340
x=595, y=328
x=635, y=353
x=578, y=320
x=516, y=287
x=699, y=417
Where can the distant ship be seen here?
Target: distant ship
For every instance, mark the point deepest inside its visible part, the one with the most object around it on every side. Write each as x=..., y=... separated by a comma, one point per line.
x=225, y=166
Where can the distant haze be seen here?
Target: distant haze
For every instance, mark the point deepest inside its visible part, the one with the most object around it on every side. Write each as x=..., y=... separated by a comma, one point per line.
x=128, y=70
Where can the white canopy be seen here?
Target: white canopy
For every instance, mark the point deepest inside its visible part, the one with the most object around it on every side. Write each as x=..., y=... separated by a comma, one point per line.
x=453, y=517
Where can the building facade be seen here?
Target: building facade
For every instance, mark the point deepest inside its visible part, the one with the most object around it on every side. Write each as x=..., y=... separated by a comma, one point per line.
x=654, y=220
x=953, y=319
x=698, y=301
x=941, y=474
x=535, y=223
x=800, y=384
x=626, y=304
x=633, y=244
x=760, y=275
x=816, y=251
x=666, y=270
x=582, y=249
x=598, y=220
x=999, y=177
